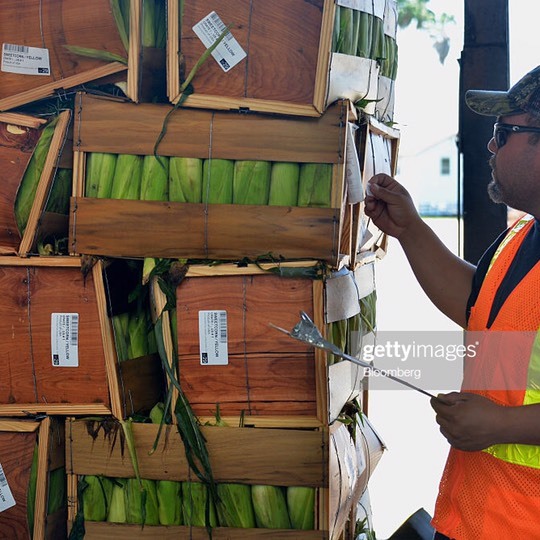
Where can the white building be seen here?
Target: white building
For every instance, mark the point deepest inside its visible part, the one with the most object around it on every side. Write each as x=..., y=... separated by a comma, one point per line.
x=431, y=176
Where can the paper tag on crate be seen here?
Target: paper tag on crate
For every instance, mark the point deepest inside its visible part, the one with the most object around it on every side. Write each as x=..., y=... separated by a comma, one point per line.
x=65, y=339
x=229, y=52
x=353, y=174
x=213, y=338
x=6, y=497
x=25, y=60
x=360, y=5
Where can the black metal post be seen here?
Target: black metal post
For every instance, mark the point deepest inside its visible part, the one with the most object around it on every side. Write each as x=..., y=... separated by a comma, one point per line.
x=484, y=65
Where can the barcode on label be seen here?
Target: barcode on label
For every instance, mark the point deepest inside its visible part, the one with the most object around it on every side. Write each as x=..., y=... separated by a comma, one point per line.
x=75, y=329
x=223, y=327
x=15, y=48
x=220, y=25
x=3, y=479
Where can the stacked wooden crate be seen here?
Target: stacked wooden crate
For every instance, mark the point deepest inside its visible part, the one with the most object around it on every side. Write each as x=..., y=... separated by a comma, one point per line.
x=294, y=97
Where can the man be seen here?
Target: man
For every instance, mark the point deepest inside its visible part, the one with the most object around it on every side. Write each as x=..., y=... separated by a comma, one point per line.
x=490, y=488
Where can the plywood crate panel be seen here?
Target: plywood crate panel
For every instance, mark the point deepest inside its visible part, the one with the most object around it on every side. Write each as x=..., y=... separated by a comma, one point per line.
x=127, y=228
x=267, y=372
x=33, y=289
x=50, y=25
x=18, y=439
x=271, y=456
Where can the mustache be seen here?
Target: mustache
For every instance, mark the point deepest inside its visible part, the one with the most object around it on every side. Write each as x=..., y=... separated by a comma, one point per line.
x=491, y=162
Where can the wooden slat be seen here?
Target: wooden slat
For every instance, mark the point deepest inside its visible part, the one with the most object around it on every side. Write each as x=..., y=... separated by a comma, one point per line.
x=133, y=74
x=246, y=455
x=48, y=90
x=173, y=37
x=19, y=426
x=123, y=228
x=45, y=182
x=108, y=348
x=109, y=126
x=229, y=269
x=42, y=480
x=106, y=531
x=79, y=409
x=159, y=302
x=24, y=120
x=42, y=262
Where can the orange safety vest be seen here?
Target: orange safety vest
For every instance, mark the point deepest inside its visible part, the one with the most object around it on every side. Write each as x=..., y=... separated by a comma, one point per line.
x=495, y=493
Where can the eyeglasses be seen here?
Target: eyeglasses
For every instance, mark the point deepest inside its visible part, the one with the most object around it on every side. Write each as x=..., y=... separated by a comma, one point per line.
x=502, y=131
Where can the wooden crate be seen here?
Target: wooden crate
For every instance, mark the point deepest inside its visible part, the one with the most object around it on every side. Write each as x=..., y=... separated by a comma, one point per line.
x=325, y=458
x=124, y=228
x=35, y=288
x=19, y=135
x=287, y=42
x=18, y=439
x=269, y=374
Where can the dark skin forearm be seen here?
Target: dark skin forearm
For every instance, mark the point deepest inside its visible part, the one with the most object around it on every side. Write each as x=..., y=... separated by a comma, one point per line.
x=471, y=422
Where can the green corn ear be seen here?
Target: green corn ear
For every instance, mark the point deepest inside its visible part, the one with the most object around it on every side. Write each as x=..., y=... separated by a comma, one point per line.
x=194, y=501
x=117, y=508
x=185, y=179
x=336, y=37
x=346, y=30
x=155, y=179
x=138, y=335
x=126, y=183
x=141, y=502
x=121, y=335
x=149, y=23
x=58, y=201
x=57, y=497
x=356, y=31
x=315, y=185
x=251, y=182
x=160, y=24
x=284, y=180
x=235, y=507
x=338, y=336
x=377, y=39
x=29, y=183
x=169, y=494
x=100, y=169
x=120, y=10
x=270, y=507
x=97, y=497
x=157, y=412
x=364, y=35
x=218, y=181
x=31, y=493
x=301, y=506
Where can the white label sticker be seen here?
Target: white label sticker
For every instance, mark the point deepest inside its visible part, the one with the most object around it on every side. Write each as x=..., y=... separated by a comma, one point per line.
x=213, y=338
x=6, y=497
x=25, y=60
x=65, y=339
x=229, y=52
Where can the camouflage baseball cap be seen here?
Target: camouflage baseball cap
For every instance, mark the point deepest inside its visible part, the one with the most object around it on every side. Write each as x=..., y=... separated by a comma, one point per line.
x=523, y=97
